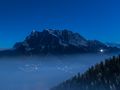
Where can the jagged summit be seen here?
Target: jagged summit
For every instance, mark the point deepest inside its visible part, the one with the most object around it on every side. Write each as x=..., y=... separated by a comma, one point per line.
x=57, y=42
x=50, y=40
x=63, y=36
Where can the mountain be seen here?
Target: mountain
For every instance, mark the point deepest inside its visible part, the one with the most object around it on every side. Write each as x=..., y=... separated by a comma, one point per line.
x=52, y=41
x=57, y=42
x=103, y=76
x=113, y=45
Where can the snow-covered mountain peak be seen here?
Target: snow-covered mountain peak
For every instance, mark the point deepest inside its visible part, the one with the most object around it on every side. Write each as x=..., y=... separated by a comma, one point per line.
x=60, y=41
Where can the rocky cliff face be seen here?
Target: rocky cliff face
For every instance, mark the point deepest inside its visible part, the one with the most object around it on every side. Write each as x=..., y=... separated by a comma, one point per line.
x=58, y=41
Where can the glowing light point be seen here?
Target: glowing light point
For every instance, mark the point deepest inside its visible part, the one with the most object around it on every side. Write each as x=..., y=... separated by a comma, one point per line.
x=101, y=50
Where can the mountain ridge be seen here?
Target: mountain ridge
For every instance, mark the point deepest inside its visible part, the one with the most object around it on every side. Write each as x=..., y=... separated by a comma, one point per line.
x=58, y=42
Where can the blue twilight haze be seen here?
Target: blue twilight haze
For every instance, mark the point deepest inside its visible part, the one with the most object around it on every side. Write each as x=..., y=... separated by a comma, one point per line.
x=94, y=19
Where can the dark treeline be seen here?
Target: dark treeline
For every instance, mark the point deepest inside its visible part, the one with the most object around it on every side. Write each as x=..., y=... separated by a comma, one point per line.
x=102, y=76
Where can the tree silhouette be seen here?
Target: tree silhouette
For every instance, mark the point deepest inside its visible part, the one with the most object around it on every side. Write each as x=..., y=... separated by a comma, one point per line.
x=102, y=76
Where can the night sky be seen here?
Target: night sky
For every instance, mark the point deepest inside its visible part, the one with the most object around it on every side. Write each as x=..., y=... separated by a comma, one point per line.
x=94, y=19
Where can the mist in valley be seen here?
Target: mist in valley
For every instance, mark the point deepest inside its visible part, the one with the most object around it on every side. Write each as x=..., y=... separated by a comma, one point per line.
x=42, y=73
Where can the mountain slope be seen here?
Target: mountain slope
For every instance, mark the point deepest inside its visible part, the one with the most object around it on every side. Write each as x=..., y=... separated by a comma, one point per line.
x=52, y=41
x=113, y=45
x=57, y=42
x=103, y=76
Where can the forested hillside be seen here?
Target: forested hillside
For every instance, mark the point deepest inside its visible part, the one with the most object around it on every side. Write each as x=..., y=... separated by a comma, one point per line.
x=102, y=76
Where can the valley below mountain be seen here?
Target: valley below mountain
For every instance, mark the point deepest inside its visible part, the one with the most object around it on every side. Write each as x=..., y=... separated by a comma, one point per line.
x=45, y=72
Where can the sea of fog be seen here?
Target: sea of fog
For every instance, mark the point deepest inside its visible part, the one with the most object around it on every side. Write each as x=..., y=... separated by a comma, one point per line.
x=42, y=73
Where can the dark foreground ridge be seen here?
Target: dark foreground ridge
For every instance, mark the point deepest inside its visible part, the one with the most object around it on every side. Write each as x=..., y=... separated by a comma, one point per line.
x=103, y=76
x=56, y=42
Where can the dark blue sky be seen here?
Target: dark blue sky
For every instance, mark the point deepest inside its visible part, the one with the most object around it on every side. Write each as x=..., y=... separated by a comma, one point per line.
x=94, y=19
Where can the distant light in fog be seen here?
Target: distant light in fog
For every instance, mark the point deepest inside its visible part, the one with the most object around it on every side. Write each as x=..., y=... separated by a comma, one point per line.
x=101, y=50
